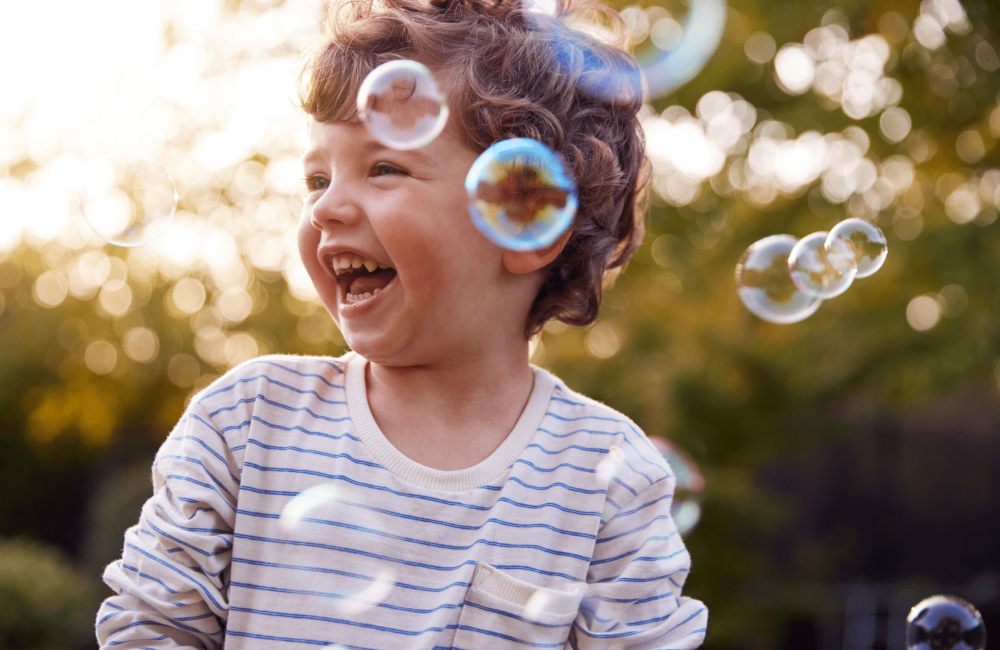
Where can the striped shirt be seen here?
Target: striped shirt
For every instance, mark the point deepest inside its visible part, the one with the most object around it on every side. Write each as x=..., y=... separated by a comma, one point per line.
x=283, y=518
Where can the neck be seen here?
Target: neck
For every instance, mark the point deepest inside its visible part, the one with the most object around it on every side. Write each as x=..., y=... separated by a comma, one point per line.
x=452, y=415
x=456, y=386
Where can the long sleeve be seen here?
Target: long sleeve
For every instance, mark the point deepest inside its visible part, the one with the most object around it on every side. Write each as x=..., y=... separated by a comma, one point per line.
x=634, y=599
x=171, y=582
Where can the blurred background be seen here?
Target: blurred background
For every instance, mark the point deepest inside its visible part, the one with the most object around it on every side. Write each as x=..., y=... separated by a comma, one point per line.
x=851, y=461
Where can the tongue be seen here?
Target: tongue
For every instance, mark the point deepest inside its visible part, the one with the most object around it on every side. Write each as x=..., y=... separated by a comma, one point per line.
x=369, y=282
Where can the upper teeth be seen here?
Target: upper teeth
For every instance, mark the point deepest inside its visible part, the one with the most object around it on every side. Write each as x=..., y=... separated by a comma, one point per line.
x=344, y=264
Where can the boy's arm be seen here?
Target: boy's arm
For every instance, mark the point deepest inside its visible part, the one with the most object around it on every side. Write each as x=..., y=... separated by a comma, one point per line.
x=172, y=580
x=634, y=584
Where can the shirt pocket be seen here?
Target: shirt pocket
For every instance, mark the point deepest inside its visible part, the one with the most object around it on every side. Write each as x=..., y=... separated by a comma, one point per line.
x=503, y=613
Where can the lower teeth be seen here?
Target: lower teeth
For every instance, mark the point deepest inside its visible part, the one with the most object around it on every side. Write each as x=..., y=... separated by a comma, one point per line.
x=353, y=297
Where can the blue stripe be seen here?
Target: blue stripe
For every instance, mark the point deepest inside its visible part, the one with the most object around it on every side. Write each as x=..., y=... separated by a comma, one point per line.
x=208, y=449
x=300, y=450
x=339, y=596
x=634, y=530
x=265, y=637
x=422, y=497
x=278, y=405
x=303, y=430
x=351, y=551
x=188, y=479
x=421, y=542
x=276, y=383
x=634, y=551
x=342, y=621
x=346, y=574
x=507, y=637
x=425, y=520
x=185, y=576
x=195, y=461
x=492, y=610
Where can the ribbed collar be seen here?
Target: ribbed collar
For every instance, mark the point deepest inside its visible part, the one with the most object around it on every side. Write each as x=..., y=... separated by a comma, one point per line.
x=483, y=473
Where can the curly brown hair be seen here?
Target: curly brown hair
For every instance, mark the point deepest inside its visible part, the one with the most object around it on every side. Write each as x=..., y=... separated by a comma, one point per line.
x=510, y=72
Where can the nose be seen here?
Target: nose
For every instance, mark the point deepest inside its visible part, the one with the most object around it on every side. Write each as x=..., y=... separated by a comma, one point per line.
x=337, y=205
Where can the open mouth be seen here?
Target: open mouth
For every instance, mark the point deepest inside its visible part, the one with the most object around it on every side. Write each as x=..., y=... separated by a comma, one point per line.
x=360, y=279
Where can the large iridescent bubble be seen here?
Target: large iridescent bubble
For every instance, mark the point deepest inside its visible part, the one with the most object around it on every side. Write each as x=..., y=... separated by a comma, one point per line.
x=945, y=623
x=702, y=28
x=127, y=198
x=401, y=105
x=765, y=284
x=519, y=195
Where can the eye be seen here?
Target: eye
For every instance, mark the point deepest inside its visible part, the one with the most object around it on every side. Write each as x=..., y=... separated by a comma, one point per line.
x=386, y=169
x=316, y=182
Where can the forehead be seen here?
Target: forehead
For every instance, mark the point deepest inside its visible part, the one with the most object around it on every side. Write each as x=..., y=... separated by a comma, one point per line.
x=328, y=140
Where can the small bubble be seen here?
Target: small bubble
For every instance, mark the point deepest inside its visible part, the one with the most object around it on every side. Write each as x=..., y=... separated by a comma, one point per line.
x=686, y=505
x=945, y=623
x=366, y=594
x=765, y=284
x=401, y=105
x=303, y=505
x=519, y=195
x=866, y=241
x=820, y=271
x=127, y=198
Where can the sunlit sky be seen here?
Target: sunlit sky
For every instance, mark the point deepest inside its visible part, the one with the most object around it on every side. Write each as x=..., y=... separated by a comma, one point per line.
x=209, y=93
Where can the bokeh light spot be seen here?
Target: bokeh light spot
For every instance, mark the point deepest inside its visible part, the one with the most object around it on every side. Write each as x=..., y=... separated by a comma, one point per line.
x=141, y=344
x=50, y=289
x=101, y=357
x=923, y=312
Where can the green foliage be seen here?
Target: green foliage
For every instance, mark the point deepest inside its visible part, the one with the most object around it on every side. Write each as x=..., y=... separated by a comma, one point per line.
x=45, y=603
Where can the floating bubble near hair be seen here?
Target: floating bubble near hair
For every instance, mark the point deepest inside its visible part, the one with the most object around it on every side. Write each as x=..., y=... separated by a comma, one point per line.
x=703, y=27
x=519, y=195
x=401, y=105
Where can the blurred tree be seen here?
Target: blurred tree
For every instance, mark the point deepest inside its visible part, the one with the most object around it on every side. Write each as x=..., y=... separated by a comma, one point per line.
x=823, y=443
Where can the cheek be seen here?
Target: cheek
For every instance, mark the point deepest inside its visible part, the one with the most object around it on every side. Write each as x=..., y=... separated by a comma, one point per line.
x=308, y=242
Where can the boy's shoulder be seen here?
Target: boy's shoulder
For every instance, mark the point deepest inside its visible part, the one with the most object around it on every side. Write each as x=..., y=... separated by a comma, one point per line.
x=579, y=419
x=281, y=372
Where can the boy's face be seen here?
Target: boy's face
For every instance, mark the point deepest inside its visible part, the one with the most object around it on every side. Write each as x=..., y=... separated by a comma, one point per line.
x=443, y=291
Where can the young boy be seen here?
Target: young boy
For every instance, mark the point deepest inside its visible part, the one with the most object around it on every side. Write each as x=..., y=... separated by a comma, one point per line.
x=431, y=488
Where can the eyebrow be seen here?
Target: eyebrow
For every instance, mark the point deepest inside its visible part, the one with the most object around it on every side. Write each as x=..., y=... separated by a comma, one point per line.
x=371, y=146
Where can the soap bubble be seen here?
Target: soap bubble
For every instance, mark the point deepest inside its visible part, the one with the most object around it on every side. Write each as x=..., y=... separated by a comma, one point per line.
x=765, y=285
x=127, y=198
x=686, y=505
x=701, y=33
x=401, y=105
x=864, y=243
x=812, y=266
x=519, y=195
x=364, y=593
x=304, y=506
x=945, y=623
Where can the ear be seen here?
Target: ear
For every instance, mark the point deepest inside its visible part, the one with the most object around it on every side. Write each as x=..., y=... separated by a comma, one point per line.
x=521, y=262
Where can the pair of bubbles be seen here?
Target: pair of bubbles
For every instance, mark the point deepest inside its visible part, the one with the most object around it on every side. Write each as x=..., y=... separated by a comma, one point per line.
x=519, y=194
x=784, y=280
